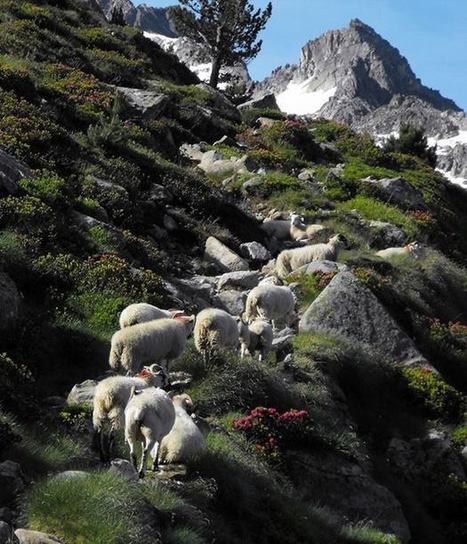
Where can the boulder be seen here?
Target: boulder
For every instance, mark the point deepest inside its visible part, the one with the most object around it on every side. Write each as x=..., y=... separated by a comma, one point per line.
x=265, y=122
x=71, y=475
x=230, y=301
x=11, y=482
x=349, y=309
x=25, y=536
x=399, y=191
x=226, y=140
x=11, y=171
x=5, y=533
x=151, y=104
x=321, y=267
x=82, y=393
x=307, y=174
x=349, y=491
x=223, y=257
x=385, y=235
x=254, y=251
x=220, y=104
x=124, y=468
x=10, y=303
x=268, y=101
x=251, y=184
x=213, y=162
x=239, y=280
x=158, y=193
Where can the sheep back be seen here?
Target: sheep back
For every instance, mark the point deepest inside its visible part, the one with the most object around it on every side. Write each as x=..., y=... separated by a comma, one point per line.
x=215, y=328
x=184, y=442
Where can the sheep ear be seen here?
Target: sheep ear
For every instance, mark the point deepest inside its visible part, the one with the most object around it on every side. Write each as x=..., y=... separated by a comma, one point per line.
x=176, y=313
x=155, y=368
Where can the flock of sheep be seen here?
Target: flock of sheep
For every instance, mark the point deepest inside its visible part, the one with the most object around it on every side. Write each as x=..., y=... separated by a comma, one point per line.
x=138, y=402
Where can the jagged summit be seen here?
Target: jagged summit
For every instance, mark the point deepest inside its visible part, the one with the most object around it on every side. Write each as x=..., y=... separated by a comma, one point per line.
x=355, y=76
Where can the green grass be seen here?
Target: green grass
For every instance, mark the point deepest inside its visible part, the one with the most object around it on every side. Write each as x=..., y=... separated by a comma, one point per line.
x=372, y=209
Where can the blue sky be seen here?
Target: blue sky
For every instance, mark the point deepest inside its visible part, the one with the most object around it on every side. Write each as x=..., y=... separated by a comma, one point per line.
x=431, y=34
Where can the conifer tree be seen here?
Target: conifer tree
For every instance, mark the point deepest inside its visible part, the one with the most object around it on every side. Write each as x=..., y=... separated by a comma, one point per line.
x=228, y=28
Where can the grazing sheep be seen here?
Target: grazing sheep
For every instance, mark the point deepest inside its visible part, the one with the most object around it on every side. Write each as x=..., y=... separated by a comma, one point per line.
x=291, y=259
x=160, y=341
x=214, y=329
x=257, y=336
x=111, y=397
x=185, y=442
x=142, y=312
x=270, y=302
x=282, y=229
x=317, y=233
x=415, y=249
x=149, y=416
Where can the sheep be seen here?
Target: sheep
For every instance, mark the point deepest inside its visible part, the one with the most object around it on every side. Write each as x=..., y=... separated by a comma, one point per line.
x=281, y=229
x=257, y=336
x=149, y=416
x=291, y=259
x=415, y=249
x=214, y=329
x=158, y=341
x=185, y=442
x=111, y=397
x=270, y=302
x=142, y=312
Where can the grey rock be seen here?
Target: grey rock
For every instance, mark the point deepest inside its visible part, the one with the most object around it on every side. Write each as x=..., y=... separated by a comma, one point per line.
x=124, y=468
x=196, y=289
x=213, y=162
x=151, y=104
x=169, y=223
x=25, y=536
x=347, y=308
x=10, y=303
x=322, y=267
x=158, y=193
x=232, y=302
x=268, y=101
x=306, y=174
x=453, y=160
x=5, y=533
x=71, y=475
x=349, y=490
x=254, y=251
x=223, y=257
x=11, y=171
x=11, y=482
x=108, y=185
x=250, y=185
x=400, y=191
x=386, y=235
x=82, y=393
x=239, y=280
x=226, y=140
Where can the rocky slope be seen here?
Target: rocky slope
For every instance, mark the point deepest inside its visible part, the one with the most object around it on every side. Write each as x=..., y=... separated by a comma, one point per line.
x=356, y=77
x=156, y=25
x=126, y=180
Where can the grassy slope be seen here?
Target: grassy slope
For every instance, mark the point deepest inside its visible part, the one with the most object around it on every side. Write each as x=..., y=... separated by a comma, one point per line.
x=59, y=114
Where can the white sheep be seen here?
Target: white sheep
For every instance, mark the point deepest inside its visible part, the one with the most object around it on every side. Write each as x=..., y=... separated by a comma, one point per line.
x=270, y=302
x=300, y=232
x=415, y=249
x=291, y=259
x=149, y=416
x=111, y=397
x=256, y=336
x=142, y=312
x=214, y=329
x=282, y=229
x=159, y=341
x=185, y=442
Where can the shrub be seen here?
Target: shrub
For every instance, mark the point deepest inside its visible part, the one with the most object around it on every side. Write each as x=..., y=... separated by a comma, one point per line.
x=412, y=141
x=250, y=116
x=459, y=436
x=271, y=431
x=17, y=387
x=117, y=68
x=49, y=187
x=76, y=417
x=441, y=399
x=7, y=434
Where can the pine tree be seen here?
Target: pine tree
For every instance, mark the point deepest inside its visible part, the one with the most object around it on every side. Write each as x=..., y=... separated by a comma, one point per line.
x=117, y=17
x=412, y=141
x=228, y=28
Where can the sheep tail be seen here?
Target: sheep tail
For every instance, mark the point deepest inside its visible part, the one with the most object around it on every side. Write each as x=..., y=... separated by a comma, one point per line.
x=283, y=265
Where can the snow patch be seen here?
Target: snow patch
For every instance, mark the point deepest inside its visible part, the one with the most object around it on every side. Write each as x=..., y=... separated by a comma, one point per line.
x=300, y=100
x=164, y=41
x=444, y=143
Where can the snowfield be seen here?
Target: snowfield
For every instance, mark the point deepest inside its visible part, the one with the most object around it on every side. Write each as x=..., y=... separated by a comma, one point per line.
x=300, y=100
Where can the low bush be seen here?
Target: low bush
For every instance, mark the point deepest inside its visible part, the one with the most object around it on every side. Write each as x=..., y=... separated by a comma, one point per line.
x=440, y=398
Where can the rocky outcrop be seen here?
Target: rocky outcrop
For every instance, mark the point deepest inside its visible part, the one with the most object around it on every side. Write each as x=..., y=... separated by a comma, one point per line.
x=82, y=393
x=11, y=482
x=25, y=536
x=349, y=309
x=399, y=191
x=11, y=171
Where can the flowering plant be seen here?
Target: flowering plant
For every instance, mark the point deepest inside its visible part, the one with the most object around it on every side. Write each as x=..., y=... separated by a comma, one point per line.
x=272, y=431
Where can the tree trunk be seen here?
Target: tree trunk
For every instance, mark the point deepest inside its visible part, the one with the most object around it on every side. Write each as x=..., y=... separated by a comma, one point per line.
x=216, y=68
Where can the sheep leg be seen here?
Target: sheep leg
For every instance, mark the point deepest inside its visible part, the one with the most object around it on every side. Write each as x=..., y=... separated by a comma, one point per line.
x=155, y=457
x=166, y=374
x=111, y=444
x=97, y=443
x=132, y=454
x=144, y=458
